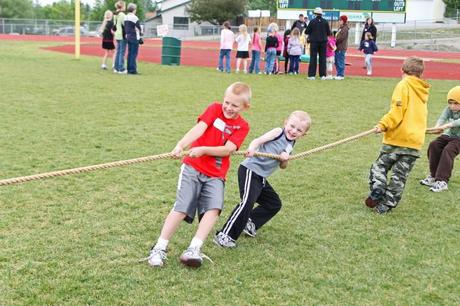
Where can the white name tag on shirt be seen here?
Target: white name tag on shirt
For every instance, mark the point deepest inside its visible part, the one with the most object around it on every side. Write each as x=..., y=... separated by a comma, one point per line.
x=219, y=124
x=288, y=149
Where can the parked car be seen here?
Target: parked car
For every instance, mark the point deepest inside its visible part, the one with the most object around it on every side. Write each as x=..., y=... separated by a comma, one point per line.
x=69, y=31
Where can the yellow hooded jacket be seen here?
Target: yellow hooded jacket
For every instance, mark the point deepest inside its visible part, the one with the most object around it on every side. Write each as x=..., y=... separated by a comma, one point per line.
x=406, y=122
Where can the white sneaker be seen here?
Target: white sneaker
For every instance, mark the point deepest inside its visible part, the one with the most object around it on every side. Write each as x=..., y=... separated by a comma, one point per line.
x=192, y=257
x=339, y=78
x=428, y=181
x=104, y=67
x=323, y=78
x=123, y=72
x=224, y=240
x=369, y=73
x=439, y=186
x=250, y=229
x=156, y=257
x=329, y=77
x=237, y=71
x=311, y=78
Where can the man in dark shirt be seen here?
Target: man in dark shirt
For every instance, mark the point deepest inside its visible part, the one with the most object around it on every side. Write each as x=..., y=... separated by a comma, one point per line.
x=317, y=30
x=300, y=24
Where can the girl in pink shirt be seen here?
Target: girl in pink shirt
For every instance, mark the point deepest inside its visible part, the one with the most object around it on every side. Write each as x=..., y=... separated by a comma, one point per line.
x=330, y=55
x=256, y=49
x=279, y=51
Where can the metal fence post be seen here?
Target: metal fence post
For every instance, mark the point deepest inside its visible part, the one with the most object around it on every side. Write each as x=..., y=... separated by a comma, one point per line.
x=393, y=36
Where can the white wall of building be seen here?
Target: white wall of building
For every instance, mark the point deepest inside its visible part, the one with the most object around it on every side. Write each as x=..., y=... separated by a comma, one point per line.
x=427, y=10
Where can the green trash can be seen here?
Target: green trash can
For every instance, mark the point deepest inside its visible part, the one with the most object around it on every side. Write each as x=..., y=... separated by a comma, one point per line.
x=171, y=51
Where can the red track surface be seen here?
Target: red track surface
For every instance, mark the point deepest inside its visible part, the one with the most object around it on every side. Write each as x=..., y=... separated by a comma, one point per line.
x=387, y=63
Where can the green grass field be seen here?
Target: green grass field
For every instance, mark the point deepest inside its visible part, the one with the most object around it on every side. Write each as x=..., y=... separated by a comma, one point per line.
x=76, y=240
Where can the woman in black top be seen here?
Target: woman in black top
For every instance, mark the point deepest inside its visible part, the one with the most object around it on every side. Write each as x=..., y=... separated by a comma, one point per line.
x=369, y=27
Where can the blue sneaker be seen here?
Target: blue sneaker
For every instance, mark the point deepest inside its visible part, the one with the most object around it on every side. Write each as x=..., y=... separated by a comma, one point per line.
x=382, y=209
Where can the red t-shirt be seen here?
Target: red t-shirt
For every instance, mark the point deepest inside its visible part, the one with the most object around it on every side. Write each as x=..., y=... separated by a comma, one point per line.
x=219, y=131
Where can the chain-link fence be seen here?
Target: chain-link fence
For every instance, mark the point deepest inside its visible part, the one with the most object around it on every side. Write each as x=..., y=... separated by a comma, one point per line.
x=414, y=34
x=47, y=27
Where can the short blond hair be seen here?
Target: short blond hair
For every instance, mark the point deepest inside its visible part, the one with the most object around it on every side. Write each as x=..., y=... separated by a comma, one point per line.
x=304, y=117
x=242, y=90
x=413, y=66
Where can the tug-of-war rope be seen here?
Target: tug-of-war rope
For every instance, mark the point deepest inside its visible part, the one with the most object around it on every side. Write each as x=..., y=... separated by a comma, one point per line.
x=23, y=179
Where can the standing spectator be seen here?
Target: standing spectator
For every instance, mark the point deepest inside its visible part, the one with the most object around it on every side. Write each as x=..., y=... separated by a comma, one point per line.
x=242, y=54
x=330, y=55
x=226, y=44
x=270, y=49
x=300, y=24
x=279, y=50
x=369, y=47
x=369, y=27
x=342, y=45
x=133, y=35
x=107, y=38
x=317, y=30
x=287, y=35
x=256, y=50
x=120, y=37
x=294, y=48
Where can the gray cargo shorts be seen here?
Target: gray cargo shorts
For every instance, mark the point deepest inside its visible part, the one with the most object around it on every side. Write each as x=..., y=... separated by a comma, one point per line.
x=198, y=193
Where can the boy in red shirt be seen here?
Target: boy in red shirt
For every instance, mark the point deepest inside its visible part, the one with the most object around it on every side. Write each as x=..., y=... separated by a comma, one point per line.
x=219, y=132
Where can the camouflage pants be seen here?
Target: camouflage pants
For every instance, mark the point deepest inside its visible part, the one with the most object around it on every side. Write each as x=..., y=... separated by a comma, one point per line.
x=390, y=193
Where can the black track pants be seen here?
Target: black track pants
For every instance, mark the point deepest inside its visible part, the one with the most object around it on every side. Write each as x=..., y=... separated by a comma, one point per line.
x=253, y=188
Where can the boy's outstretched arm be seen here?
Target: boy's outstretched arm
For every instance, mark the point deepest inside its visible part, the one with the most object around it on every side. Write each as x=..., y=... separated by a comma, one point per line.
x=193, y=134
x=270, y=135
x=219, y=151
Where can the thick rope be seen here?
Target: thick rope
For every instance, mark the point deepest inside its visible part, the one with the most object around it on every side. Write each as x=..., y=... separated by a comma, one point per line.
x=120, y=163
x=331, y=145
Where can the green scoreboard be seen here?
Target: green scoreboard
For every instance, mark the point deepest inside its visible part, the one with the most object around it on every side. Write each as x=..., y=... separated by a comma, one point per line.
x=396, y=6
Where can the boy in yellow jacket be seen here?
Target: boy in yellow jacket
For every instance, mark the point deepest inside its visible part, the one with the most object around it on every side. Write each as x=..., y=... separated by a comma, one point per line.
x=404, y=134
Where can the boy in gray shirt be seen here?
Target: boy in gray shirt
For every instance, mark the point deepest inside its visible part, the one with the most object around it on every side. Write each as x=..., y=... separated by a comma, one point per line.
x=252, y=180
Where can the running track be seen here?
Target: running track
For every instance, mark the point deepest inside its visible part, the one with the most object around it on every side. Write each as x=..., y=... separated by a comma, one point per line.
x=387, y=62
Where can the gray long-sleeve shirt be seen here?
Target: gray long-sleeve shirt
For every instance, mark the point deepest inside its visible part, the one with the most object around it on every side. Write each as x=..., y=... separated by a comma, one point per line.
x=449, y=116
